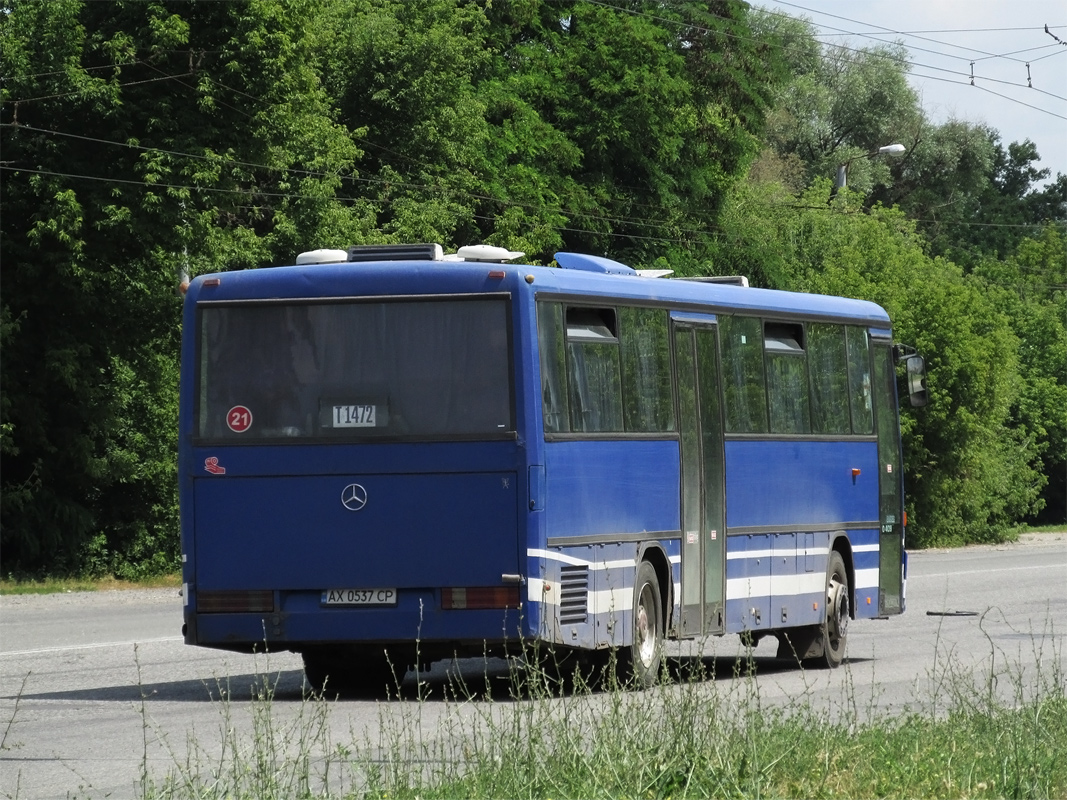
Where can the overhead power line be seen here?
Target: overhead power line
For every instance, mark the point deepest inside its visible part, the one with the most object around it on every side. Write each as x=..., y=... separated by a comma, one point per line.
x=984, y=55
x=910, y=64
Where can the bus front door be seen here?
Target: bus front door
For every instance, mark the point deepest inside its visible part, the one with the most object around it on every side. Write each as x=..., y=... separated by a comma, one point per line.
x=703, y=481
x=890, y=486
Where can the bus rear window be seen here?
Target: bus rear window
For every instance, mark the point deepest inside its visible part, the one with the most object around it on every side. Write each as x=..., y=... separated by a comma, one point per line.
x=355, y=370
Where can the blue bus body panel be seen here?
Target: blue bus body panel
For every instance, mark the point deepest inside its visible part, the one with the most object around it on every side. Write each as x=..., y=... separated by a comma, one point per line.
x=711, y=296
x=292, y=532
x=611, y=487
x=410, y=279
x=343, y=459
x=865, y=557
x=787, y=482
x=786, y=502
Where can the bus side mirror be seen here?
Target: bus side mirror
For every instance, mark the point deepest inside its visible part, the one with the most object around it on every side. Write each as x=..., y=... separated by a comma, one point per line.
x=916, y=368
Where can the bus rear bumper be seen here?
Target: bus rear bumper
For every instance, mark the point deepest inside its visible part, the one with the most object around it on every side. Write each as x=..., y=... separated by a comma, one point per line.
x=248, y=632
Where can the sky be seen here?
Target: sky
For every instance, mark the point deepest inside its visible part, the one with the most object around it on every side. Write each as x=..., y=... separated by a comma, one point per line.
x=943, y=37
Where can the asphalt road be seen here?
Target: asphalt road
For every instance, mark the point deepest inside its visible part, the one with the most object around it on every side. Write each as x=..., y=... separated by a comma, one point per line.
x=97, y=690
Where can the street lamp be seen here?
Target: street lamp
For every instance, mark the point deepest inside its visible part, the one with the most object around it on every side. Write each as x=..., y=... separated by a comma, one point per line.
x=842, y=169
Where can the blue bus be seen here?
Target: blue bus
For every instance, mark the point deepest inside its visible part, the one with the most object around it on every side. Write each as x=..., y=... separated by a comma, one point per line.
x=390, y=456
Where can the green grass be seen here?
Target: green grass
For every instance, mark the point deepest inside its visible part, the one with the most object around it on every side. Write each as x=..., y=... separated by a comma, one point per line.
x=979, y=736
x=62, y=585
x=1059, y=527
x=1015, y=753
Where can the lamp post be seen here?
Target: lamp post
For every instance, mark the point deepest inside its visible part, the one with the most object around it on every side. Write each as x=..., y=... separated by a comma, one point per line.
x=842, y=169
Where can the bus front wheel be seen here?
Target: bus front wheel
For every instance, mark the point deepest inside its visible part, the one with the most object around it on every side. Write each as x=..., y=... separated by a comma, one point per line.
x=645, y=654
x=835, y=626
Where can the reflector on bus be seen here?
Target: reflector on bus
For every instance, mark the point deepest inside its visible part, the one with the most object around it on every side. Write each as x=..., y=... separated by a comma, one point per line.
x=472, y=597
x=235, y=602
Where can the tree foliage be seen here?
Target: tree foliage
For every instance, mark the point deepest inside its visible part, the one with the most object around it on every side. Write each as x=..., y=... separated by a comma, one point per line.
x=991, y=217
x=1031, y=287
x=969, y=194
x=145, y=141
x=141, y=140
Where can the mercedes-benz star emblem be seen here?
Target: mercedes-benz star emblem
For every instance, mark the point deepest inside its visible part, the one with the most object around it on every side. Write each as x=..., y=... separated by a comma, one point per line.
x=354, y=497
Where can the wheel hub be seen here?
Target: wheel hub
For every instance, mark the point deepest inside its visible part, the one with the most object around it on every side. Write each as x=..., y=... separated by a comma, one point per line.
x=646, y=638
x=837, y=610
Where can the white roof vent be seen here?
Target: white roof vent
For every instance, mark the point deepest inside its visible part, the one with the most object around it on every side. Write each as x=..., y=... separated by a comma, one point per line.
x=487, y=252
x=655, y=273
x=322, y=257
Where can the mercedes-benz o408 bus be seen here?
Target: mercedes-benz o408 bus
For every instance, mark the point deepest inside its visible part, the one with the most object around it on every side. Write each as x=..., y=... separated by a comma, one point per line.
x=389, y=456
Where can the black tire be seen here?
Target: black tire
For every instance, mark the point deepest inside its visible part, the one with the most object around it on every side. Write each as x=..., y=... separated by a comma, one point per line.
x=318, y=671
x=644, y=657
x=835, y=626
x=557, y=670
x=352, y=672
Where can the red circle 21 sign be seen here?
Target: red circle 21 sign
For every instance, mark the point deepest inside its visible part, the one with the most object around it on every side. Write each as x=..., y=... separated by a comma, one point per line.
x=239, y=419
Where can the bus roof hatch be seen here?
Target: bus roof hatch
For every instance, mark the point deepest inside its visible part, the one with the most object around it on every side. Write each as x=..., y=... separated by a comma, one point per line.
x=396, y=252
x=593, y=264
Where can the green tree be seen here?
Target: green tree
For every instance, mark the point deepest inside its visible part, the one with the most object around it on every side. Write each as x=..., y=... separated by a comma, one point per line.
x=969, y=195
x=148, y=140
x=839, y=104
x=141, y=140
x=988, y=213
x=1031, y=286
x=662, y=106
x=404, y=76
x=546, y=124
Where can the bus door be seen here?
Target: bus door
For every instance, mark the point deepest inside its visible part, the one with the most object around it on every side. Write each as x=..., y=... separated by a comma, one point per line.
x=890, y=485
x=703, y=510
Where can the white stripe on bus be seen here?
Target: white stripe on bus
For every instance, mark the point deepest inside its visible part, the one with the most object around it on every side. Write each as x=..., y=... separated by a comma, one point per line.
x=751, y=587
x=552, y=555
x=618, y=599
x=866, y=579
x=563, y=558
x=776, y=586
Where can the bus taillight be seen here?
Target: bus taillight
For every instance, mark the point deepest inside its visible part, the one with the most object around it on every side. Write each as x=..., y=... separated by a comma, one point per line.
x=256, y=600
x=480, y=597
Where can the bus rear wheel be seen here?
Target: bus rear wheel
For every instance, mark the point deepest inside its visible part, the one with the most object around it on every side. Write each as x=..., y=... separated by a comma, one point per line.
x=645, y=655
x=352, y=672
x=835, y=626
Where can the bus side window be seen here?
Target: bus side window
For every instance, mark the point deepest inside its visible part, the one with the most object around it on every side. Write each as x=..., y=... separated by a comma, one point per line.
x=828, y=371
x=553, y=367
x=593, y=375
x=787, y=377
x=859, y=379
x=646, y=370
x=742, y=374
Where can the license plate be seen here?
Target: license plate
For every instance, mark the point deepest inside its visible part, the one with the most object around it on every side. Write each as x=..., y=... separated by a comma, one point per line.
x=359, y=597
x=355, y=416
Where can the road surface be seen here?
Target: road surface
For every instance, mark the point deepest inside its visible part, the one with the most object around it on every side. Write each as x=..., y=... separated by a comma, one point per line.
x=97, y=689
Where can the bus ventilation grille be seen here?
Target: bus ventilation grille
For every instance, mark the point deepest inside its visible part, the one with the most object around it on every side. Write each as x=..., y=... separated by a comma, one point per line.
x=573, y=591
